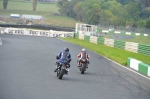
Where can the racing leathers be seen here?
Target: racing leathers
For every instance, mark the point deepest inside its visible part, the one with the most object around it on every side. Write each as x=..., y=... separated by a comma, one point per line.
x=63, y=56
x=83, y=55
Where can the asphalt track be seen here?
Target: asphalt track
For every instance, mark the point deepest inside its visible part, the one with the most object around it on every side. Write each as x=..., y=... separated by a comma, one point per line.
x=27, y=65
x=120, y=36
x=117, y=36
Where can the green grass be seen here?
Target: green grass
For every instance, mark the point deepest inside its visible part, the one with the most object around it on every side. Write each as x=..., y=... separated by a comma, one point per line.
x=137, y=39
x=115, y=54
x=43, y=9
x=27, y=6
x=140, y=39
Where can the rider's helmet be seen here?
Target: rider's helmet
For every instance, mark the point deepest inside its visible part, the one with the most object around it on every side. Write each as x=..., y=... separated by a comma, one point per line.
x=83, y=50
x=66, y=49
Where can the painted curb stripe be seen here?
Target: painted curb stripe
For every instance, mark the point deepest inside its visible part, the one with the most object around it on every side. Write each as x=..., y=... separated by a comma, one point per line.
x=138, y=66
x=134, y=64
x=128, y=61
x=143, y=68
x=149, y=71
x=0, y=41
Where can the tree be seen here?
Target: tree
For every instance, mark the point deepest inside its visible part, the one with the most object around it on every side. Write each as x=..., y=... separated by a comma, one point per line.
x=34, y=4
x=93, y=14
x=141, y=23
x=146, y=12
x=5, y=2
x=109, y=12
x=148, y=23
x=64, y=8
x=78, y=11
x=133, y=10
x=125, y=1
x=105, y=16
x=144, y=3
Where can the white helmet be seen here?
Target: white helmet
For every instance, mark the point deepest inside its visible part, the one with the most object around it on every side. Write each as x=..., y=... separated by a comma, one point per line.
x=83, y=49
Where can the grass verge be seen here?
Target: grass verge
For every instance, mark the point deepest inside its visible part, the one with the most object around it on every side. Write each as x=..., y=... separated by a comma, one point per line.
x=140, y=39
x=115, y=54
x=22, y=5
x=44, y=9
x=136, y=39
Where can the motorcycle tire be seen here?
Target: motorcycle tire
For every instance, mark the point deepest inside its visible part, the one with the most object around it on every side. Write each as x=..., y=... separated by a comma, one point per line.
x=61, y=74
x=83, y=68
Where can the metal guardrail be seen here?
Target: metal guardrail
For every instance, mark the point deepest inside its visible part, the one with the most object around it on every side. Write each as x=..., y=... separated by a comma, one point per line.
x=46, y=33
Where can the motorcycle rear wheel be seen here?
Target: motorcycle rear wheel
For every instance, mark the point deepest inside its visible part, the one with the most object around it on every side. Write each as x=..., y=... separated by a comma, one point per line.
x=83, y=68
x=61, y=74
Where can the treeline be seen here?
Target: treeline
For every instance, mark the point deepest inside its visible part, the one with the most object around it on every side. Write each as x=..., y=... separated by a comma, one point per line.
x=110, y=12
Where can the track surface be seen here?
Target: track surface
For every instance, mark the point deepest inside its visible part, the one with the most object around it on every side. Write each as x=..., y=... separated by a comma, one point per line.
x=121, y=36
x=27, y=65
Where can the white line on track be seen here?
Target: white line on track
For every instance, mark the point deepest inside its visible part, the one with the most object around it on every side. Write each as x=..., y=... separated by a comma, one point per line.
x=112, y=61
x=0, y=41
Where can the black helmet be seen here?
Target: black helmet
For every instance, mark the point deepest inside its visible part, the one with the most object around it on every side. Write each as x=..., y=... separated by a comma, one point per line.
x=66, y=49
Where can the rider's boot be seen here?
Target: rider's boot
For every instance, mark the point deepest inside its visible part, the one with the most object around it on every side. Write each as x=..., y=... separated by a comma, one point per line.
x=56, y=69
x=87, y=65
x=79, y=64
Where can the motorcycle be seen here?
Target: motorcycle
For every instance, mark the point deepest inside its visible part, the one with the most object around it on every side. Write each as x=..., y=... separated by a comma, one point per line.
x=115, y=35
x=82, y=67
x=62, y=69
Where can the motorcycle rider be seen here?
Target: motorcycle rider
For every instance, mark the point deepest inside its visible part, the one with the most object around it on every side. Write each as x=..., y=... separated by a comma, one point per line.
x=81, y=55
x=63, y=55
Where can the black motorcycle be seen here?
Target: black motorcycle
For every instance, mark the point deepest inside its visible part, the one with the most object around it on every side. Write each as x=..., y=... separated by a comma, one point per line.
x=82, y=67
x=62, y=69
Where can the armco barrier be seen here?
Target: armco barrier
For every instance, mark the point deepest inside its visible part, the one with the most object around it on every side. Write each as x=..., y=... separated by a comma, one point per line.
x=81, y=36
x=87, y=38
x=138, y=66
x=129, y=46
x=46, y=33
x=119, y=44
x=144, y=49
x=100, y=40
x=109, y=42
x=93, y=39
x=76, y=35
x=125, y=33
